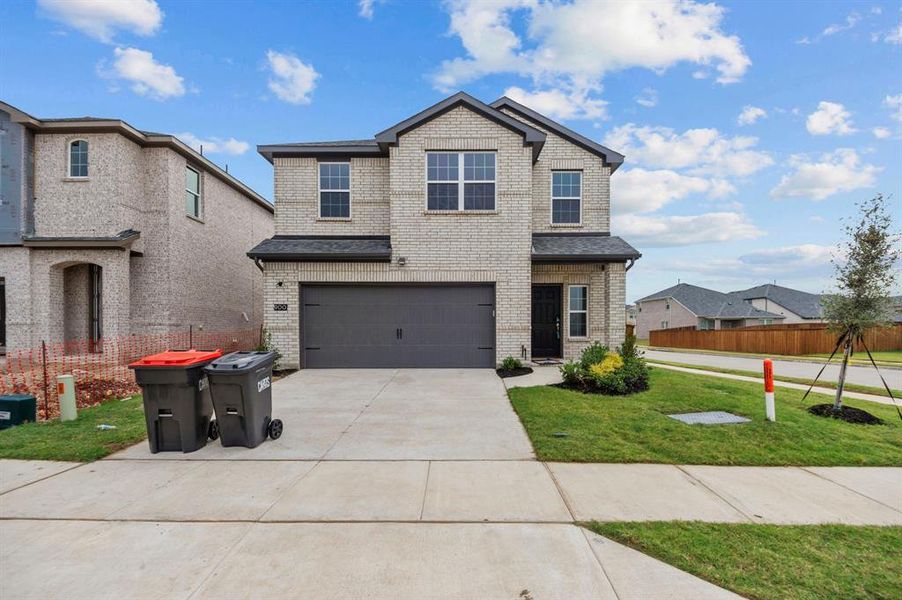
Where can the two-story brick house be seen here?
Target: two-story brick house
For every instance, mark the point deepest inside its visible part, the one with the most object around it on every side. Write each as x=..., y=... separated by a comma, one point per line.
x=464, y=234
x=106, y=231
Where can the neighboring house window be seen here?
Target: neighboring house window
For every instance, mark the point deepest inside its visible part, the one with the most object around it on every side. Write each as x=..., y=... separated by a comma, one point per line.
x=78, y=158
x=667, y=306
x=450, y=187
x=663, y=324
x=192, y=192
x=705, y=324
x=335, y=190
x=578, y=310
x=766, y=321
x=566, y=197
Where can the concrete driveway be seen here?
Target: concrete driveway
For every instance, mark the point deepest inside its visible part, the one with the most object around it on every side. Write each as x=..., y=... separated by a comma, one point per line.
x=383, y=414
x=388, y=484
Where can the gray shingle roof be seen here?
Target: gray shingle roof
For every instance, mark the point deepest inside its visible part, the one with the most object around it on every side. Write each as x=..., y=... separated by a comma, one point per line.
x=323, y=247
x=711, y=304
x=581, y=247
x=807, y=306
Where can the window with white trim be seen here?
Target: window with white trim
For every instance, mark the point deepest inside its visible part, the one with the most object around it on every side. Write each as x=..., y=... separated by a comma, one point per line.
x=192, y=192
x=578, y=310
x=335, y=190
x=78, y=158
x=450, y=187
x=566, y=197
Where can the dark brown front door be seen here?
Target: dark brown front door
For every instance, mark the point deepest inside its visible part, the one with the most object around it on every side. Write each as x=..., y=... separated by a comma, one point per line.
x=546, y=321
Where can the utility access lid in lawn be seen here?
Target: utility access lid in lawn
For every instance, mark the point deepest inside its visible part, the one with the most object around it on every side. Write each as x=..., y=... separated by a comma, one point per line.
x=714, y=417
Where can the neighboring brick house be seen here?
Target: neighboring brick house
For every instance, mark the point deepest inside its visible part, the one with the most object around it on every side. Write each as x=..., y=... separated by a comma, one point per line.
x=685, y=305
x=464, y=234
x=106, y=231
x=795, y=306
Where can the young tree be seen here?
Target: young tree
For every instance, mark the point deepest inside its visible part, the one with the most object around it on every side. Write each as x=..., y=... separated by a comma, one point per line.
x=865, y=276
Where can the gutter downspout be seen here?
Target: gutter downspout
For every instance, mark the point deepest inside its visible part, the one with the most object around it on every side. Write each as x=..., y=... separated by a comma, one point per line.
x=259, y=264
x=629, y=264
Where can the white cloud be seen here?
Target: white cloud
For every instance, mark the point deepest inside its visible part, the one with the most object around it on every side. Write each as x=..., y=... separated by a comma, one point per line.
x=851, y=21
x=830, y=117
x=750, y=114
x=662, y=231
x=648, y=98
x=638, y=190
x=894, y=36
x=366, y=8
x=147, y=76
x=214, y=145
x=700, y=151
x=838, y=171
x=101, y=19
x=558, y=104
x=574, y=45
x=894, y=103
x=785, y=259
x=881, y=133
x=292, y=80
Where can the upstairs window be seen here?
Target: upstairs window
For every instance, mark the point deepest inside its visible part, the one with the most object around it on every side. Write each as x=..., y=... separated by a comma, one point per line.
x=192, y=192
x=335, y=190
x=78, y=158
x=566, y=197
x=450, y=187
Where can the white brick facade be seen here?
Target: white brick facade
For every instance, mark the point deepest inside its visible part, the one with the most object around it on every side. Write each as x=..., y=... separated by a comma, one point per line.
x=388, y=197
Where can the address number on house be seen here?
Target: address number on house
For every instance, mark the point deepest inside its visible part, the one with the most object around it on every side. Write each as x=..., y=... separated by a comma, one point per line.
x=280, y=307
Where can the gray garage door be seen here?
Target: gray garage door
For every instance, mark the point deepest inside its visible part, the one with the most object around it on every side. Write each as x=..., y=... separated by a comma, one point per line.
x=398, y=326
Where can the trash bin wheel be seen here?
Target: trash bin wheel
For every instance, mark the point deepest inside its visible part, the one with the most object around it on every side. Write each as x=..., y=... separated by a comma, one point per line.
x=275, y=429
x=213, y=430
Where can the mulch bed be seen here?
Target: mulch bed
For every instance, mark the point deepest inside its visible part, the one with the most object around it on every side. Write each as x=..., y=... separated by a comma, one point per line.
x=847, y=414
x=513, y=372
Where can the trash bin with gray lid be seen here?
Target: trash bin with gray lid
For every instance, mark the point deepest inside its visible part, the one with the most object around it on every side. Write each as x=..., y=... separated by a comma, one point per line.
x=241, y=386
x=177, y=405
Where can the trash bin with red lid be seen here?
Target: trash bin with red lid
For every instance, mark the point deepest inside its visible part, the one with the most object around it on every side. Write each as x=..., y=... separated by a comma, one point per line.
x=177, y=404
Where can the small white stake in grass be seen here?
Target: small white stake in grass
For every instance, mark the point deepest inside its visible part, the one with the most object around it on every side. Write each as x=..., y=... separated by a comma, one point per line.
x=65, y=388
x=769, y=408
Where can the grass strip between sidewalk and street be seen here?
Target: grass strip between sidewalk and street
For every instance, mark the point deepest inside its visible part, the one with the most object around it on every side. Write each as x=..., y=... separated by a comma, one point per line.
x=849, y=387
x=78, y=440
x=803, y=562
x=570, y=426
x=884, y=358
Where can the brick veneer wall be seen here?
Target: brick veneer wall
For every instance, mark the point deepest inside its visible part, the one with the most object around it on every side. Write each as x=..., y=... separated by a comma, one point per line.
x=559, y=154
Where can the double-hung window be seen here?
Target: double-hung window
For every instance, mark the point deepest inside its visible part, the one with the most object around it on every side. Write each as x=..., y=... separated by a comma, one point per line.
x=578, y=310
x=566, y=197
x=335, y=190
x=460, y=181
x=78, y=158
x=192, y=193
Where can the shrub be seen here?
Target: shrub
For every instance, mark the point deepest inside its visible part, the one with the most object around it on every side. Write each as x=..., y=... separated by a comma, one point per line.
x=611, y=363
x=572, y=373
x=628, y=349
x=510, y=363
x=593, y=355
x=266, y=344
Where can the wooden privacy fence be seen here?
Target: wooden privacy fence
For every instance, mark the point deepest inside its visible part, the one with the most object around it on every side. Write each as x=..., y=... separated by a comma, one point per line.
x=790, y=340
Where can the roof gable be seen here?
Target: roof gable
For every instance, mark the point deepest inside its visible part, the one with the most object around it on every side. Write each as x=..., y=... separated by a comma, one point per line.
x=531, y=135
x=610, y=157
x=804, y=304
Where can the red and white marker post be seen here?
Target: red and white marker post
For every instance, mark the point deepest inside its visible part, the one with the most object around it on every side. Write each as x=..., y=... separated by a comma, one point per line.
x=769, y=390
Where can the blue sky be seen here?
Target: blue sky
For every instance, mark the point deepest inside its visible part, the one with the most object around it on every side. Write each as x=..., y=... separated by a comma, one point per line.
x=750, y=129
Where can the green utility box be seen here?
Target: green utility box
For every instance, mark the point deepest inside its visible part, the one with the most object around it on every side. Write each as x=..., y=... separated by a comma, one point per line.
x=16, y=409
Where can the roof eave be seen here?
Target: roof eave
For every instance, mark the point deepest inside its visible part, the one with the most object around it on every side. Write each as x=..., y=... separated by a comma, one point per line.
x=320, y=257
x=595, y=258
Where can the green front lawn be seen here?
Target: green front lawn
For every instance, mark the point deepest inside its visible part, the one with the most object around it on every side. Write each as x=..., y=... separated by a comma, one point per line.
x=78, y=440
x=574, y=427
x=889, y=357
x=802, y=562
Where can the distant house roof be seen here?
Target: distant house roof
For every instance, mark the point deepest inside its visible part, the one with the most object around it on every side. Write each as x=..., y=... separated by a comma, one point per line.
x=711, y=304
x=378, y=146
x=807, y=306
x=610, y=157
x=581, y=247
x=323, y=248
x=142, y=138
